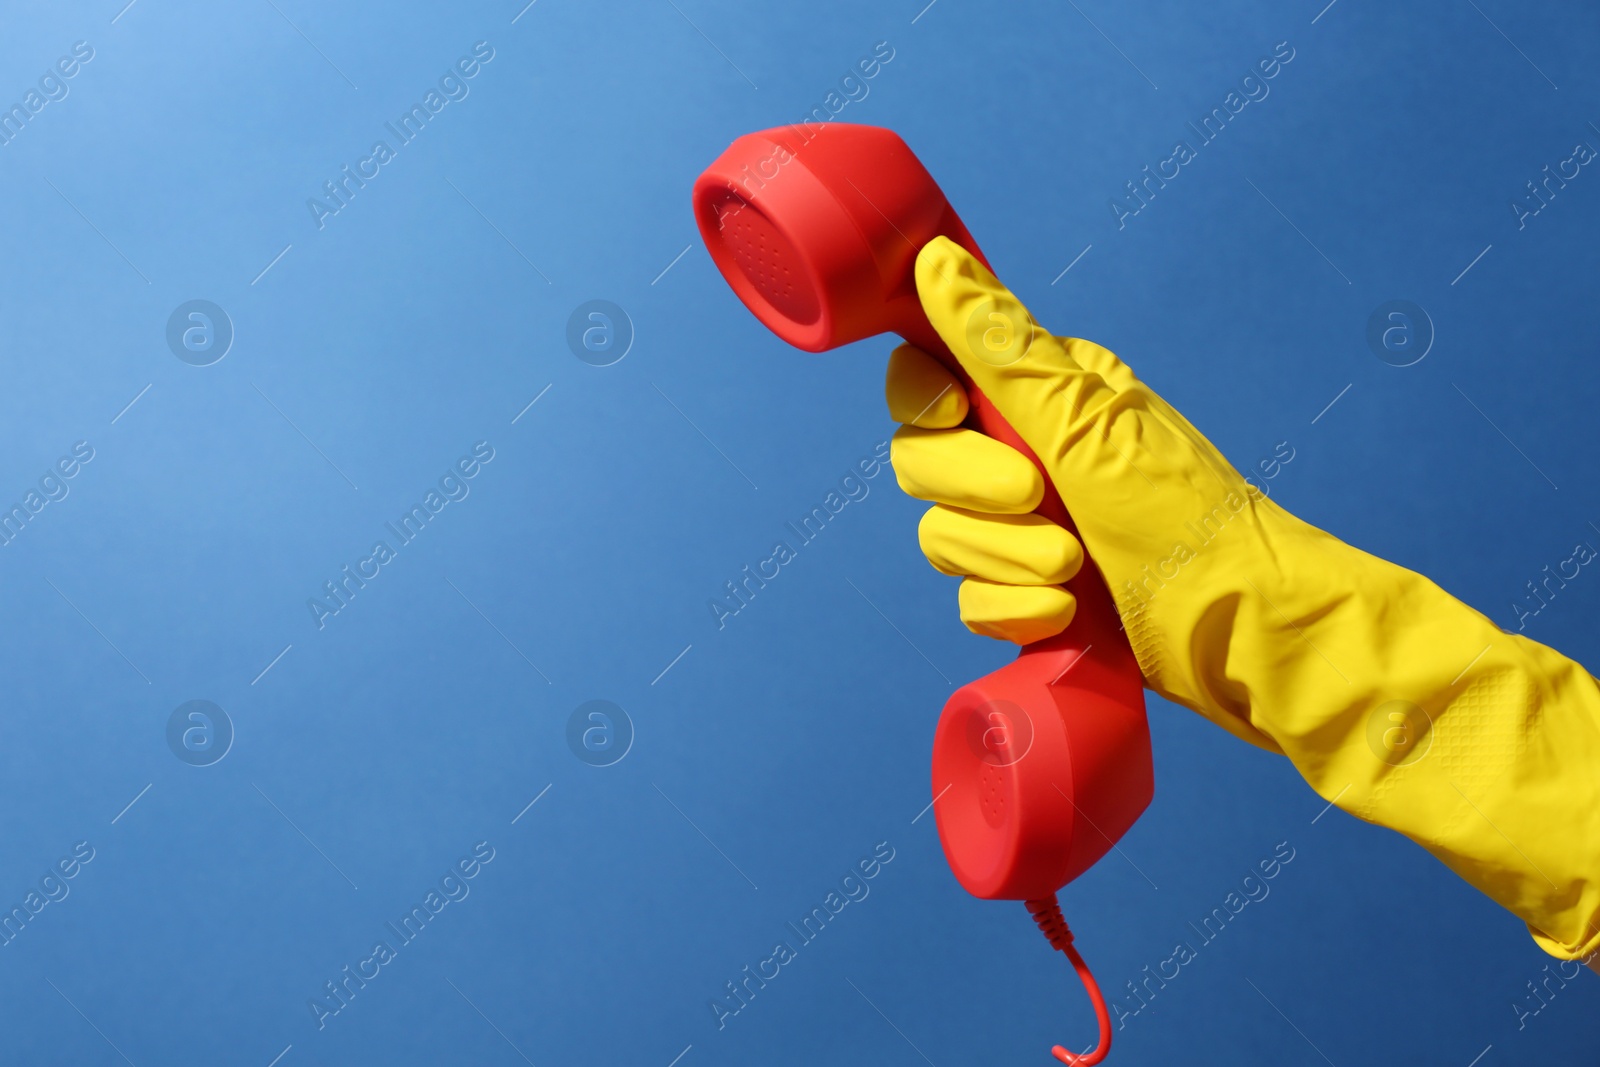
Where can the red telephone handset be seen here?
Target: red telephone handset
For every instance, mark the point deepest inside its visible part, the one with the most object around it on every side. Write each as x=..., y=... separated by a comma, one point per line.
x=1039, y=767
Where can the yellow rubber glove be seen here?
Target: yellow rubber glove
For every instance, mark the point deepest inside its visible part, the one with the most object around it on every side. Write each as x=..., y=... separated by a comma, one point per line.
x=1394, y=700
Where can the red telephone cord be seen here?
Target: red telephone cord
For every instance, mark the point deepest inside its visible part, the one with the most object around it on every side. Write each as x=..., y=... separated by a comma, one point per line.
x=1047, y=913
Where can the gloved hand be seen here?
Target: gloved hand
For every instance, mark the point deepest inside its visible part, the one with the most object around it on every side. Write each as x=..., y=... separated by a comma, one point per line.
x=1394, y=700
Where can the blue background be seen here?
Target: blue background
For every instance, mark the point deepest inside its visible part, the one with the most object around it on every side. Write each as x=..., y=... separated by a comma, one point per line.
x=432, y=309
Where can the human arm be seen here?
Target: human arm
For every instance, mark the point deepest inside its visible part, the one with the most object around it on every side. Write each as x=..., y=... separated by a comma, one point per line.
x=1393, y=699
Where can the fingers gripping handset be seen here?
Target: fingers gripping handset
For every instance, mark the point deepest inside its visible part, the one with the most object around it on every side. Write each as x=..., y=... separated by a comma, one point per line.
x=1040, y=766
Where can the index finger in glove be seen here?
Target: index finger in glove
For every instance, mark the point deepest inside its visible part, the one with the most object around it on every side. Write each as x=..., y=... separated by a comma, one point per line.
x=922, y=392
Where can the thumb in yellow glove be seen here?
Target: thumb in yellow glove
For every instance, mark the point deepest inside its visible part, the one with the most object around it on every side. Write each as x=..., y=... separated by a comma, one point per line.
x=1393, y=699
